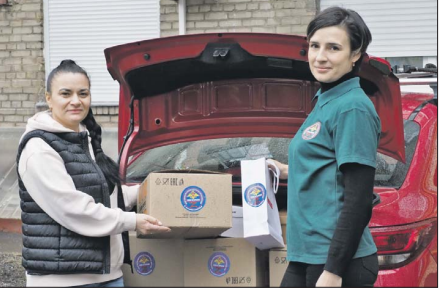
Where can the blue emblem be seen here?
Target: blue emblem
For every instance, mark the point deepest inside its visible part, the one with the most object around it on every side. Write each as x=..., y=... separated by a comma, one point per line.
x=144, y=263
x=255, y=194
x=193, y=198
x=219, y=264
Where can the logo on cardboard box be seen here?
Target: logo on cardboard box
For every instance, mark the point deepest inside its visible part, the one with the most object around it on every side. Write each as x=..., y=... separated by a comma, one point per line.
x=255, y=194
x=238, y=280
x=281, y=260
x=219, y=264
x=193, y=198
x=144, y=263
x=169, y=181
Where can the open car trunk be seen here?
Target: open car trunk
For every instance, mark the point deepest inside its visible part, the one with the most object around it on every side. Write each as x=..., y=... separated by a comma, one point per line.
x=209, y=86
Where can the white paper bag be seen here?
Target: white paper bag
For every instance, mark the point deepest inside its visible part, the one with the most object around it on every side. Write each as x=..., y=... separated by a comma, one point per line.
x=260, y=214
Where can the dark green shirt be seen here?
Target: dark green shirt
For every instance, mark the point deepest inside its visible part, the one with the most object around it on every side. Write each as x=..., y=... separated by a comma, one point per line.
x=342, y=128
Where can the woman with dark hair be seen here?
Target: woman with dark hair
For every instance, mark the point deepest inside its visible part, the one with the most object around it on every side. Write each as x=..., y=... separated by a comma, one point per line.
x=73, y=205
x=331, y=164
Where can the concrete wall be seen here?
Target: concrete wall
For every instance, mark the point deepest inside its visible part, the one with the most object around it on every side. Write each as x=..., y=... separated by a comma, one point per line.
x=271, y=16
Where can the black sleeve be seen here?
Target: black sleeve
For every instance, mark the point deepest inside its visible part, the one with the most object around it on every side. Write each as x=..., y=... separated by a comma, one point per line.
x=354, y=217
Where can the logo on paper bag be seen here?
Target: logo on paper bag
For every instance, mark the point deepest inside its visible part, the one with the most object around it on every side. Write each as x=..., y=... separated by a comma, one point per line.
x=219, y=264
x=144, y=263
x=193, y=198
x=255, y=194
x=311, y=131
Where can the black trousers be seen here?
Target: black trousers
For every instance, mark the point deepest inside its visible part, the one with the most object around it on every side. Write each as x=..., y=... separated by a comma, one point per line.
x=361, y=272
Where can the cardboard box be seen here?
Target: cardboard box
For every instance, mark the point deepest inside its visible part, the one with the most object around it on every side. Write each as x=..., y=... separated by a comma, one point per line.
x=156, y=263
x=278, y=257
x=193, y=204
x=278, y=265
x=224, y=262
x=283, y=217
x=237, y=230
x=283, y=224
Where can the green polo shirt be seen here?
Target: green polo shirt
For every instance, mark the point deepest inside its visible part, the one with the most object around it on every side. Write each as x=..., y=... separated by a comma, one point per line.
x=342, y=128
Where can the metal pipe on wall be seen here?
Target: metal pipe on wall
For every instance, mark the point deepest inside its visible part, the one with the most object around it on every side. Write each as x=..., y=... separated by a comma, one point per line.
x=182, y=17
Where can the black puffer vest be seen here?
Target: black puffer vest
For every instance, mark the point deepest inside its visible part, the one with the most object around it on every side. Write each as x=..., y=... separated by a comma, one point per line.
x=48, y=247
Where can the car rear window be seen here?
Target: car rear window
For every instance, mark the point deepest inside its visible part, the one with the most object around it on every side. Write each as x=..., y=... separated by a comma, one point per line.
x=389, y=171
x=225, y=154
x=221, y=155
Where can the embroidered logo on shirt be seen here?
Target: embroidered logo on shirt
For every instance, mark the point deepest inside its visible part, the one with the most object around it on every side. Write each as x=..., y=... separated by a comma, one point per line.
x=311, y=132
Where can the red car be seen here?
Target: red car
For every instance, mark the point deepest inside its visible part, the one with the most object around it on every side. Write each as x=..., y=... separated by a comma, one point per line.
x=208, y=101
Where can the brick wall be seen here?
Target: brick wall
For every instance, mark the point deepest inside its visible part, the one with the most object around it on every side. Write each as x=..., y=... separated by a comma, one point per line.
x=271, y=16
x=21, y=60
x=22, y=72
x=106, y=116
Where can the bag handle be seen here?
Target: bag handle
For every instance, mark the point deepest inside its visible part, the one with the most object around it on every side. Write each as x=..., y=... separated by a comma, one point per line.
x=276, y=174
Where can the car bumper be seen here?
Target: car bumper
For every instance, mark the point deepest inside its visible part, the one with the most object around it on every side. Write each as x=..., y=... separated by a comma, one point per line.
x=421, y=272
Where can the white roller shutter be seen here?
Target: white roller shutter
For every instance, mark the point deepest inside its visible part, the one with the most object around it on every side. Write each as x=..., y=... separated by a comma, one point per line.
x=400, y=28
x=82, y=29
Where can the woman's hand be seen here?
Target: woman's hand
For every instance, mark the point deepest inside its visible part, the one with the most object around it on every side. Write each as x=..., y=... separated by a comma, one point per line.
x=327, y=279
x=146, y=224
x=283, y=168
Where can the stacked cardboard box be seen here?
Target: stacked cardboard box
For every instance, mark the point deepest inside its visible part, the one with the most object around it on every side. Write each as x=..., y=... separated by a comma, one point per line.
x=194, y=205
x=237, y=230
x=283, y=222
x=224, y=262
x=156, y=263
x=278, y=257
x=277, y=264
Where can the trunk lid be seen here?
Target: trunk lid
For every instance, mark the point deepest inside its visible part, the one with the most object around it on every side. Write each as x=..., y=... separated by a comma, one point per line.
x=193, y=87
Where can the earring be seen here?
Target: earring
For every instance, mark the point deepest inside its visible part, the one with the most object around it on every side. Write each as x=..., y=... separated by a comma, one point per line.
x=353, y=64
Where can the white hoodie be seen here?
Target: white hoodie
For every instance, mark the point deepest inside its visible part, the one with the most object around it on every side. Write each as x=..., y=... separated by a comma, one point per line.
x=43, y=172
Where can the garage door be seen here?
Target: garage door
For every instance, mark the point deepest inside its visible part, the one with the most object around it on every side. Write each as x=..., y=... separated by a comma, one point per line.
x=82, y=29
x=400, y=28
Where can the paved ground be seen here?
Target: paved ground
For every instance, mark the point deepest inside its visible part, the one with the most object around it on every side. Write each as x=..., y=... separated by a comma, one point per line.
x=11, y=272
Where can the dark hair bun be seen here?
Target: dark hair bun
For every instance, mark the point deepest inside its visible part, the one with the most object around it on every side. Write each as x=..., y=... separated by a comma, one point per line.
x=67, y=62
x=66, y=66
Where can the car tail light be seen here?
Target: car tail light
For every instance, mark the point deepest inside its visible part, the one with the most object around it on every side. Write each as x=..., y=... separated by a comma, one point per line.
x=399, y=245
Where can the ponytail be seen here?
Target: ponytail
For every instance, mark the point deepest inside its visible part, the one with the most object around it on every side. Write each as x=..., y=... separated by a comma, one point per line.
x=107, y=165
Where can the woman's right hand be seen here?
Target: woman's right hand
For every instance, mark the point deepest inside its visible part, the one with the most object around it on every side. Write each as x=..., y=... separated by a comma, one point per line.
x=146, y=224
x=283, y=168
